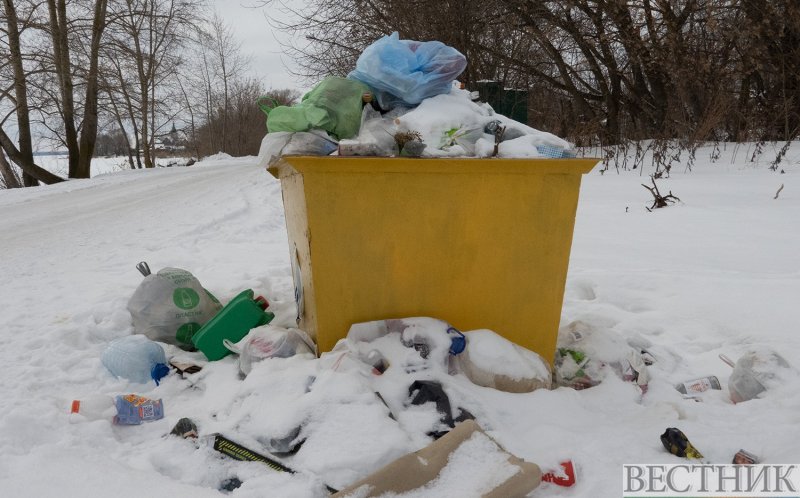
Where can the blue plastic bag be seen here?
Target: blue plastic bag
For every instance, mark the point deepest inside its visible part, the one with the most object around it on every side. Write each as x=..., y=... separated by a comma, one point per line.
x=405, y=72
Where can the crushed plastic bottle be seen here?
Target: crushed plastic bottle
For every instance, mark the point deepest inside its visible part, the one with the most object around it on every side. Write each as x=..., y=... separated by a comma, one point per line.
x=136, y=358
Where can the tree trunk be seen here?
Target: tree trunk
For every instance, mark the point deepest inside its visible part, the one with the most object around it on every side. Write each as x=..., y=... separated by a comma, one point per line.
x=27, y=166
x=58, y=32
x=20, y=92
x=89, y=127
x=10, y=178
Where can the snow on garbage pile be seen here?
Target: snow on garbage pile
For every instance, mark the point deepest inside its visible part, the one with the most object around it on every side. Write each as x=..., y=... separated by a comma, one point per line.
x=453, y=125
x=503, y=358
x=402, y=98
x=448, y=125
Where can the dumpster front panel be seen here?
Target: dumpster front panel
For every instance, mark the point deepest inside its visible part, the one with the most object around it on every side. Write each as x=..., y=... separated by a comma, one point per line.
x=478, y=246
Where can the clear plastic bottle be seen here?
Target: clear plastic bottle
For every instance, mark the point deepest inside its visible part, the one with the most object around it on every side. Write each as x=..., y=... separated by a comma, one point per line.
x=136, y=358
x=94, y=407
x=128, y=409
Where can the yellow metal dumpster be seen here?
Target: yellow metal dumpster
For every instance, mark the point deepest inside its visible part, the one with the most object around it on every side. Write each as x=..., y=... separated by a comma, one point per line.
x=480, y=243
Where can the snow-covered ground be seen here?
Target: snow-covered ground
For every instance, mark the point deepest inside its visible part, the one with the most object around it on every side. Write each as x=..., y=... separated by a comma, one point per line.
x=717, y=273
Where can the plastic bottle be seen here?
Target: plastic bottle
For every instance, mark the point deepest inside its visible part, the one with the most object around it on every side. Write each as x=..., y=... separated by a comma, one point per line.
x=136, y=358
x=95, y=407
x=128, y=409
x=698, y=385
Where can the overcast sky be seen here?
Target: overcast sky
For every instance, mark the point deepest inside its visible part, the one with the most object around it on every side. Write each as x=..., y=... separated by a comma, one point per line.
x=260, y=41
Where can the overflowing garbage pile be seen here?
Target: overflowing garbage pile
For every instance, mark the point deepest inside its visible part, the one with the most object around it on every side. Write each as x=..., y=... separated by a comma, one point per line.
x=402, y=99
x=419, y=375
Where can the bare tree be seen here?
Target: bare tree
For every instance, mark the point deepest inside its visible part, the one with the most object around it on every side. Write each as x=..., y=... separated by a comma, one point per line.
x=613, y=70
x=229, y=63
x=146, y=38
x=80, y=136
x=20, y=89
x=245, y=119
x=769, y=42
x=219, y=100
x=336, y=31
x=22, y=156
x=115, y=61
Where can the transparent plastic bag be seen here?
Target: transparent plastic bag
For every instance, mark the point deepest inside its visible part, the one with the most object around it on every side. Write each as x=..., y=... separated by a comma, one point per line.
x=586, y=353
x=342, y=358
x=170, y=306
x=309, y=143
x=270, y=341
x=405, y=72
x=272, y=147
x=375, y=137
x=429, y=342
x=756, y=372
x=300, y=143
x=465, y=136
x=491, y=360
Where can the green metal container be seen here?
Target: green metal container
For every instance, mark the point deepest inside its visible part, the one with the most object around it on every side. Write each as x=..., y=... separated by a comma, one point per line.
x=233, y=322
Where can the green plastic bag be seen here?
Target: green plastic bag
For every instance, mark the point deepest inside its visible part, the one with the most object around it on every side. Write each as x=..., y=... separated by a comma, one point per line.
x=334, y=105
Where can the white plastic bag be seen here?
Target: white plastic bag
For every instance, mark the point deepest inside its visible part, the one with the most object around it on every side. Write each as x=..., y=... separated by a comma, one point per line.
x=491, y=360
x=300, y=143
x=375, y=137
x=270, y=341
x=271, y=147
x=170, y=306
x=586, y=353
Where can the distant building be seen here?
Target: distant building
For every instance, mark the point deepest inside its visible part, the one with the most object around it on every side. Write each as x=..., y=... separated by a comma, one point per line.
x=173, y=141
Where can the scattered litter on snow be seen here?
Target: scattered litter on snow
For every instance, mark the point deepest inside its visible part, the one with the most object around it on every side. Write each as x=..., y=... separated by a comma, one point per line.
x=642, y=277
